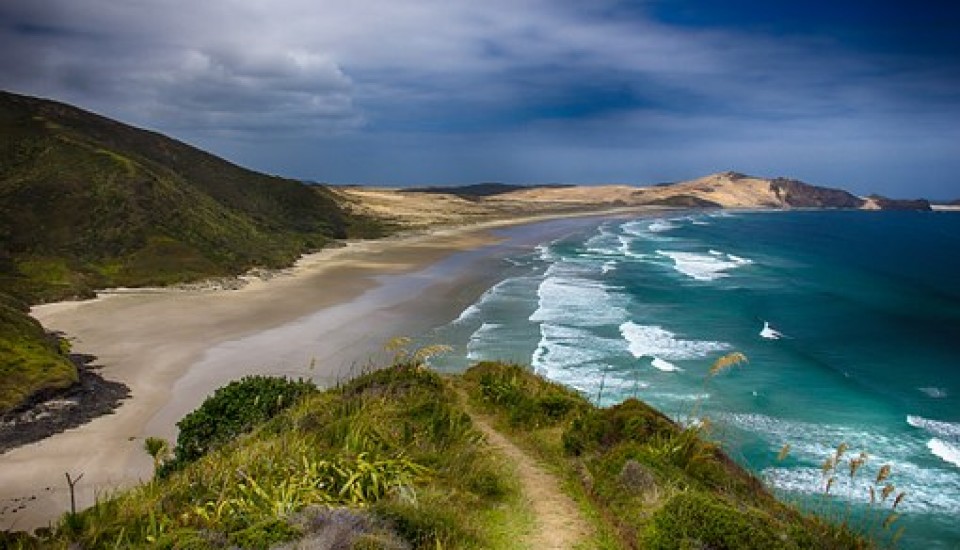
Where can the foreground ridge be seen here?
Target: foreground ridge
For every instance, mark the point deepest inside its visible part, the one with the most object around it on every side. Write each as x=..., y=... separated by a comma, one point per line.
x=405, y=458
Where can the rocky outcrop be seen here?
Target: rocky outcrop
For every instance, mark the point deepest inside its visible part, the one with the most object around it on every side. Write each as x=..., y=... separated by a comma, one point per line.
x=877, y=202
x=797, y=194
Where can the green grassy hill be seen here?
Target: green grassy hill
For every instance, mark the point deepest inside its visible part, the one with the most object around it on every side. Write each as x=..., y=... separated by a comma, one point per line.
x=30, y=360
x=87, y=202
x=395, y=459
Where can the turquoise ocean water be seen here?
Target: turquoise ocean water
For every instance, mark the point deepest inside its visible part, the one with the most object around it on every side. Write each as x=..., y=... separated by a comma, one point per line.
x=862, y=347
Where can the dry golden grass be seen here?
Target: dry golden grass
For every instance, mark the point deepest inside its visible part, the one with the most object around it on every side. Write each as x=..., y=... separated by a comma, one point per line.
x=728, y=361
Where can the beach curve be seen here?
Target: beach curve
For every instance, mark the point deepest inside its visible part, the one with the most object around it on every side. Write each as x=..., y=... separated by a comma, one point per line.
x=172, y=347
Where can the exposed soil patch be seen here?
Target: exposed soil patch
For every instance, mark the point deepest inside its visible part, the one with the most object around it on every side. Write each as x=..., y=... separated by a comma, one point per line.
x=559, y=524
x=51, y=413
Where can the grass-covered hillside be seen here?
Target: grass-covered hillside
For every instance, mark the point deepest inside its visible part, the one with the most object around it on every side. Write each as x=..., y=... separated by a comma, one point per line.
x=403, y=458
x=88, y=202
x=30, y=360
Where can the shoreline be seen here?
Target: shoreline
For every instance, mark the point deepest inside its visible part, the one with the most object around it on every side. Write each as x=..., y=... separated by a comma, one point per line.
x=46, y=415
x=172, y=347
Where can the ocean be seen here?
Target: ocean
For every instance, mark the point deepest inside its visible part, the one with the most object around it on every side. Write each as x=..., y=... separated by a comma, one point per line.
x=850, y=322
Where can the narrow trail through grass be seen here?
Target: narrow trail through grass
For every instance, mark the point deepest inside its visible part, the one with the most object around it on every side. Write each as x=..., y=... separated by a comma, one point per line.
x=558, y=523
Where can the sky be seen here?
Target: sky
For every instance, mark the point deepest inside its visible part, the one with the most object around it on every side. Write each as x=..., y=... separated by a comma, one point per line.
x=858, y=94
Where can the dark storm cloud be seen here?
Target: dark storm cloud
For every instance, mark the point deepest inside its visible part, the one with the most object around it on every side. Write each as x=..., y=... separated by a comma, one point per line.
x=174, y=66
x=431, y=90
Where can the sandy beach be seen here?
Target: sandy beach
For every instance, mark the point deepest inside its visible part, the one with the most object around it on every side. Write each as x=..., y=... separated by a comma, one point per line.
x=326, y=318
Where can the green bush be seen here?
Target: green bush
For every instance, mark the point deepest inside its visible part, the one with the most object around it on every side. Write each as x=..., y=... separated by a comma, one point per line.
x=601, y=429
x=529, y=400
x=234, y=409
x=431, y=522
x=693, y=519
x=264, y=534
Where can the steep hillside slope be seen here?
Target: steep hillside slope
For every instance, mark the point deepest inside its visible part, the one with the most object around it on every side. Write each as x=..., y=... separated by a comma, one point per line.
x=735, y=190
x=30, y=360
x=877, y=202
x=89, y=202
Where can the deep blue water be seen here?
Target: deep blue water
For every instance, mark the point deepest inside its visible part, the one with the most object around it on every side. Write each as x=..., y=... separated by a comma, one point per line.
x=867, y=303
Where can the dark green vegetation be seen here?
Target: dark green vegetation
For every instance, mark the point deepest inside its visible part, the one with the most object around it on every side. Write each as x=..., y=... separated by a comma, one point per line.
x=87, y=202
x=386, y=461
x=649, y=483
x=30, y=360
x=393, y=460
x=233, y=410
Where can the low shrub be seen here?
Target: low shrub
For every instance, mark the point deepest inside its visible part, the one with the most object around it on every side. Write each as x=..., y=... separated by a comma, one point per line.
x=232, y=410
x=692, y=519
x=601, y=429
x=528, y=400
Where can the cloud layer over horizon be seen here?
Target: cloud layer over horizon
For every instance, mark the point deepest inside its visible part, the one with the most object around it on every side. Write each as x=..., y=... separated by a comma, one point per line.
x=856, y=94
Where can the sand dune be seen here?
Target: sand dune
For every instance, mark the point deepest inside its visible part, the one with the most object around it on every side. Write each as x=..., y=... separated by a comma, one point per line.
x=726, y=190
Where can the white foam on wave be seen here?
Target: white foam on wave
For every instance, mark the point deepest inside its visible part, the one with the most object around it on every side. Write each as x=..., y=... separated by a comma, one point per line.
x=814, y=441
x=648, y=230
x=670, y=397
x=604, y=243
x=489, y=295
x=655, y=342
x=624, y=248
x=563, y=346
x=665, y=366
x=577, y=301
x=946, y=451
x=659, y=226
x=471, y=311
x=608, y=266
x=479, y=337
x=923, y=494
x=546, y=252
x=578, y=358
x=637, y=228
x=930, y=489
x=935, y=427
x=934, y=392
x=704, y=267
